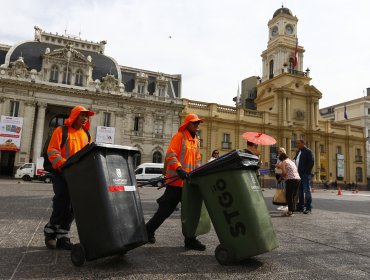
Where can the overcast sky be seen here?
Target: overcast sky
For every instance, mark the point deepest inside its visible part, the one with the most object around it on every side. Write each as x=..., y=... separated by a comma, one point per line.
x=213, y=44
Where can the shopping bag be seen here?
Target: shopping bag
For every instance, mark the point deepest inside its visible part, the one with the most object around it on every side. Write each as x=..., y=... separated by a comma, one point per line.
x=195, y=219
x=279, y=197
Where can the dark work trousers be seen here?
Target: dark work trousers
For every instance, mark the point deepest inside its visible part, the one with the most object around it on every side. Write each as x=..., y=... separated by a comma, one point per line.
x=291, y=189
x=62, y=215
x=166, y=205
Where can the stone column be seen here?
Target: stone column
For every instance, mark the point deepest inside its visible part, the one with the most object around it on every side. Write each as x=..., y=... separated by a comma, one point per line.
x=284, y=110
x=313, y=114
x=28, y=118
x=39, y=131
x=94, y=121
x=118, y=137
x=316, y=113
x=2, y=102
x=288, y=110
x=317, y=160
x=289, y=147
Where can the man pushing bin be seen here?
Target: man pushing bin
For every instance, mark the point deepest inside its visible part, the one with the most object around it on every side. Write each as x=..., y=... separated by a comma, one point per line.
x=182, y=156
x=56, y=231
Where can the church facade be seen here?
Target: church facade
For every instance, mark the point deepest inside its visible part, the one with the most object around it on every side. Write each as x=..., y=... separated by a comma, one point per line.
x=282, y=103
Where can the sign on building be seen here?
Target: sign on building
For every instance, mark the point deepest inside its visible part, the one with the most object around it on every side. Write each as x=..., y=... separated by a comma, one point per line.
x=10, y=133
x=340, y=166
x=105, y=134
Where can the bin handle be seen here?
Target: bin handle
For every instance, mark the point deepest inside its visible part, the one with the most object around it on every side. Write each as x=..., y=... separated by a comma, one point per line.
x=155, y=181
x=176, y=177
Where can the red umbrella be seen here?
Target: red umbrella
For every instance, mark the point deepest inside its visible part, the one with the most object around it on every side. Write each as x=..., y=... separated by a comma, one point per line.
x=259, y=138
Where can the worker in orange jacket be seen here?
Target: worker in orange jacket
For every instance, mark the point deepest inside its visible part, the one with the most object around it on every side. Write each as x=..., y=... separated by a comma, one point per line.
x=182, y=156
x=56, y=231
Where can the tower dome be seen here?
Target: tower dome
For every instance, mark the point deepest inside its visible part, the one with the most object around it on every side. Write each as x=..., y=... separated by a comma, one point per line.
x=282, y=10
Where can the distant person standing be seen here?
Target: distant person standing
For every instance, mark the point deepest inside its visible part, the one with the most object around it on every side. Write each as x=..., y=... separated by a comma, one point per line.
x=278, y=171
x=252, y=148
x=291, y=177
x=215, y=155
x=304, y=161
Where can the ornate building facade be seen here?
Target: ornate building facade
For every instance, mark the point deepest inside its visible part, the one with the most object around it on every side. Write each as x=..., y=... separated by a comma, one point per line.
x=41, y=80
x=287, y=108
x=354, y=112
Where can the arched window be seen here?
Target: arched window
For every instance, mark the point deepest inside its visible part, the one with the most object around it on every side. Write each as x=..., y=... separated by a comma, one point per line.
x=157, y=157
x=54, y=74
x=67, y=76
x=271, y=69
x=79, y=78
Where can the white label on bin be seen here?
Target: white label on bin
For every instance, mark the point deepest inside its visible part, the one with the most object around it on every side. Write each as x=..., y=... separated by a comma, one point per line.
x=120, y=181
x=118, y=172
x=130, y=188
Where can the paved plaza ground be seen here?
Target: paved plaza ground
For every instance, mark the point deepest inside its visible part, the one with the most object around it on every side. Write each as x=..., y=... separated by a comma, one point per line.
x=331, y=243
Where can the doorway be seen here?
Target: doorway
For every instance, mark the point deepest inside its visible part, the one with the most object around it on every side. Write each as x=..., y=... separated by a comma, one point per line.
x=7, y=159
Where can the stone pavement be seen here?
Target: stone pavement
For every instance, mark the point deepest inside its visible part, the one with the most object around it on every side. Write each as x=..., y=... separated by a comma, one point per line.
x=331, y=243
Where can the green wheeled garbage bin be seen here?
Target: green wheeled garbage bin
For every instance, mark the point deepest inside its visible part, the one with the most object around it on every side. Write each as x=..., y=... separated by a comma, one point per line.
x=236, y=205
x=106, y=205
x=194, y=216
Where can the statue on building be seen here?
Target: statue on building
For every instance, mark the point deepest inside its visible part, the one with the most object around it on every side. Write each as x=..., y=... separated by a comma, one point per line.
x=102, y=46
x=37, y=33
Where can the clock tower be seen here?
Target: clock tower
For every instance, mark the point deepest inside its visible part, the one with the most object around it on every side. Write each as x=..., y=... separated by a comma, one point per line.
x=283, y=52
x=284, y=91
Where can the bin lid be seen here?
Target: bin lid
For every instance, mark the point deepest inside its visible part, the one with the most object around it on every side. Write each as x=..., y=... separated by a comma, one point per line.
x=113, y=146
x=88, y=148
x=231, y=161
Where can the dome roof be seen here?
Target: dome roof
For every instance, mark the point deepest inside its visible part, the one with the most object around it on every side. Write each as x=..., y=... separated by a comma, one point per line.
x=282, y=10
x=32, y=55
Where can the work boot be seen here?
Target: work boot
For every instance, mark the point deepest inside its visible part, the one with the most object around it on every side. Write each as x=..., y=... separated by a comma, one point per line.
x=194, y=244
x=150, y=234
x=64, y=243
x=151, y=238
x=50, y=242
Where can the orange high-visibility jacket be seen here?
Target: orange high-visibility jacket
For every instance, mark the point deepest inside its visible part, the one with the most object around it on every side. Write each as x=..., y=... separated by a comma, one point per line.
x=183, y=152
x=76, y=140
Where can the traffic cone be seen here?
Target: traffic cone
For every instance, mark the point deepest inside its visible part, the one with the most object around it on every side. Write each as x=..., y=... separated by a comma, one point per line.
x=339, y=191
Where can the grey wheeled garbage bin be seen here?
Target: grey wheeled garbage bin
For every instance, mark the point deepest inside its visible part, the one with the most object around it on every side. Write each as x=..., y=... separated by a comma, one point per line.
x=107, y=207
x=236, y=205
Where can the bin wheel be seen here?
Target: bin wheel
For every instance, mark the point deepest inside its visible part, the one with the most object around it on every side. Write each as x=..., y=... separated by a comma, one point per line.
x=223, y=255
x=78, y=254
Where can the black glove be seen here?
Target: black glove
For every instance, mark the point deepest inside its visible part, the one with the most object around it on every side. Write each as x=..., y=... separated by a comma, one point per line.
x=182, y=173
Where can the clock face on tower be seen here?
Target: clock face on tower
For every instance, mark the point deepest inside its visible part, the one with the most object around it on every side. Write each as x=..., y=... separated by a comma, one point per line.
x=274, y=31
x=289, y=29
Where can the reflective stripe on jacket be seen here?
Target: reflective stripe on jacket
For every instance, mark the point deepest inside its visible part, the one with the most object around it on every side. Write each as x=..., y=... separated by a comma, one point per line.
x=76, y=140
x=183, y=152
